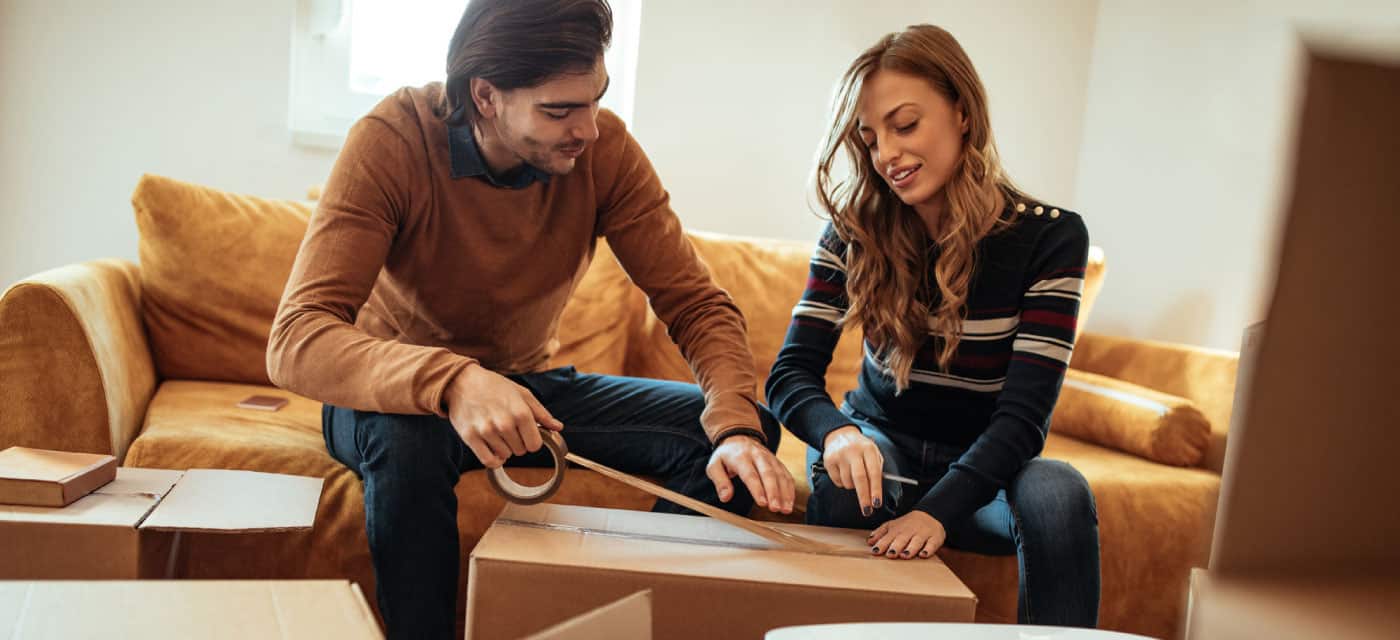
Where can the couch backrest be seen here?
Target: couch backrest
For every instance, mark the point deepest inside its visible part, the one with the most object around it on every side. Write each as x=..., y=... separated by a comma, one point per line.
x=214, y=264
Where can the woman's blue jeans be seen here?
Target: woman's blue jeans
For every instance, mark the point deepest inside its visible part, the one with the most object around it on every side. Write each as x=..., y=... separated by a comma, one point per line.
x=1046, y=517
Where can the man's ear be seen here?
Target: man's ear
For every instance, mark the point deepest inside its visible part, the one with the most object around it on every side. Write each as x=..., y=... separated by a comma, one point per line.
x=484, y=96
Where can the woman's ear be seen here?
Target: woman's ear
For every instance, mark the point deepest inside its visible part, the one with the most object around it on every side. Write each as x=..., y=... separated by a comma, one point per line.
x=484, y=96
x=962, y=118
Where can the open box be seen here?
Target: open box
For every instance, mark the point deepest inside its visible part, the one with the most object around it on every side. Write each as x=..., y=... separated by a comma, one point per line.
x=130, y=528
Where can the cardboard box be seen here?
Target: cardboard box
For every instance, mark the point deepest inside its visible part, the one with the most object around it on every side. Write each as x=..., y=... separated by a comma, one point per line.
x=544, y=563
x=43, y=478
x=1292, y=607
x=160, y=609
x=626, y=619
x=130, y=528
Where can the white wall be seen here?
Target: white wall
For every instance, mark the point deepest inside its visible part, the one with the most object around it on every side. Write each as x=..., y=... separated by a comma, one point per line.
x=731, y=105
x=733, y=95
x=97, y=93
x=1183, y=168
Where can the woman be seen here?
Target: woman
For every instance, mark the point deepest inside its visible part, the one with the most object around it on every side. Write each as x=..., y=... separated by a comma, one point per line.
x=967, y=292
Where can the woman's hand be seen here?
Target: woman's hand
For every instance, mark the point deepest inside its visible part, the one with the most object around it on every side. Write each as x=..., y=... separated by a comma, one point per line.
x=854, y=462
x=914, y=534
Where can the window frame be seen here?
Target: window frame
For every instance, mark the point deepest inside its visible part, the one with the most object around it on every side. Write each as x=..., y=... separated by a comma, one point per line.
x=322, y=106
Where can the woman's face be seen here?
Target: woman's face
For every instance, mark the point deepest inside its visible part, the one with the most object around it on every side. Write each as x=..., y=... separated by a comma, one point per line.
x=913, y=133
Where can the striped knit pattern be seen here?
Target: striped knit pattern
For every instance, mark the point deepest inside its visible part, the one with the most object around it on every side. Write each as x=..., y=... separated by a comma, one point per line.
x=996, y=395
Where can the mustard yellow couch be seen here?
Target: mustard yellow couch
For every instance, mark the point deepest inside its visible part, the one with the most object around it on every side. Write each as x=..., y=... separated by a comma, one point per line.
x=147, y=362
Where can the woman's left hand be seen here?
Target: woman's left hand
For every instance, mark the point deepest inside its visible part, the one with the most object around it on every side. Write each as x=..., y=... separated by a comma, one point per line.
x=913, y=535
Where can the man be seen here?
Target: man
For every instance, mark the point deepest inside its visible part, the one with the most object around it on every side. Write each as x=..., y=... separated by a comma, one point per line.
x=426, y=296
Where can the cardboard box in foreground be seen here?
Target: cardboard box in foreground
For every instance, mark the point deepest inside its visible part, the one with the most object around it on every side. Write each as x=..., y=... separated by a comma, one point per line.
x=160, y=609
x=1291, y=607
x=541, y=564
x=129, y=528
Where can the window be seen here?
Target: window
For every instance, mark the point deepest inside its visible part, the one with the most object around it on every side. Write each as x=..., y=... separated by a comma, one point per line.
x=349, y=54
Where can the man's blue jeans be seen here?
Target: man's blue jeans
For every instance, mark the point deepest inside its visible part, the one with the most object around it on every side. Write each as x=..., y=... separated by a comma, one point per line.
x=1046, y=517
x=409, y=465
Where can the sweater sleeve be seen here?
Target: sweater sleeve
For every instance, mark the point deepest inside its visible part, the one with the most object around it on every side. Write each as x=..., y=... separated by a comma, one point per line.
x=646, y=236
x=796, y=387
x=314, y=348
x=1040, y=355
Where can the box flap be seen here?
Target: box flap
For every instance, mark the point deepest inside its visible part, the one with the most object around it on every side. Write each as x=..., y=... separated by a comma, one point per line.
x=611, y=539
x=625, y=619
x=93, y=509
x=122, y=502
x=136, y=481
x=220, y=500
x=159, y=609
x=23, y=463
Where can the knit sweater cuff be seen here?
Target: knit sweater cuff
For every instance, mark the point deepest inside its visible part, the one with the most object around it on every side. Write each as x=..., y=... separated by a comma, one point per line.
x=957, y=495
x=818, y=418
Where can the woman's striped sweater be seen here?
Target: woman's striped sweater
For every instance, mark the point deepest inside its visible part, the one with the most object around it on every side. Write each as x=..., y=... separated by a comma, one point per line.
x=997, y=393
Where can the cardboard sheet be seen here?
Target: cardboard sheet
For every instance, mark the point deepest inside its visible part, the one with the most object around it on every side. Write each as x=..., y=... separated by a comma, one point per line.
x=124, y=529
x=244, y=501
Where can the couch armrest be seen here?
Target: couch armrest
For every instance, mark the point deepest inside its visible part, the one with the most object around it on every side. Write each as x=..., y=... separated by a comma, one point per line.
x=1204, y=376
x=75, y=369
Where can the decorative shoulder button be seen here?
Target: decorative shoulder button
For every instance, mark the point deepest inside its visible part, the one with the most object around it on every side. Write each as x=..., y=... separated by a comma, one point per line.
x=1039, y=210
x=1020, y=207
x=1054, y=213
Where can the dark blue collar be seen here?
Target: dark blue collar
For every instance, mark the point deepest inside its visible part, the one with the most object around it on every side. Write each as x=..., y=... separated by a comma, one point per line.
x=467, y=162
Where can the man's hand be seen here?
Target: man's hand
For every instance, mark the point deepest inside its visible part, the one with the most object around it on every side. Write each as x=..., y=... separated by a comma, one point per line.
x=496, y=417
x=768, y=480
x=854, y=462
x=913, y=535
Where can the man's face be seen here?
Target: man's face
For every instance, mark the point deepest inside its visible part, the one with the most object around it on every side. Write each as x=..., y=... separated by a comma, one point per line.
x=549, y=125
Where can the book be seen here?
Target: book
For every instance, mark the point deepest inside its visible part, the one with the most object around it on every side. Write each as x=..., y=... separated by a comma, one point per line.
x=44, y=478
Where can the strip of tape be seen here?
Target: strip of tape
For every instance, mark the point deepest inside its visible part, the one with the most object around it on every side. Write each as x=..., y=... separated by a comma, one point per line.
x=523, y=494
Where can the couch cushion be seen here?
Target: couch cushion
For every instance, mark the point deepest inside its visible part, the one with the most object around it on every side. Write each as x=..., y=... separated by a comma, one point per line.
x=1205, y=376
x=1132, y=418
x=213, y=265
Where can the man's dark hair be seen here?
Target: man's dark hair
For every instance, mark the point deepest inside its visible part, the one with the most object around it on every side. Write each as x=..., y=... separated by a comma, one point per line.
x=521, y=43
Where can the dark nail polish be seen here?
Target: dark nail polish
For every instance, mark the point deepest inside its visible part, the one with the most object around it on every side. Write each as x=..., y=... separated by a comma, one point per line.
x=867, y=511
x=877, y=503
x=875, y=549
x=905, y=554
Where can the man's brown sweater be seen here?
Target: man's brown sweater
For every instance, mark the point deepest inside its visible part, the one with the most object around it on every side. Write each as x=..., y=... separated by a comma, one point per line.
x=408, y=274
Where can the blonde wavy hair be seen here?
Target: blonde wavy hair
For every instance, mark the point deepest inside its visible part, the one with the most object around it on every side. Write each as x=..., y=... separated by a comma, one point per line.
x=887, y=253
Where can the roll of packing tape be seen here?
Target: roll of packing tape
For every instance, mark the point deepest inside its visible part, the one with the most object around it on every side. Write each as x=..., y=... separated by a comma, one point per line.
x=526, y=494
